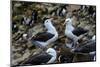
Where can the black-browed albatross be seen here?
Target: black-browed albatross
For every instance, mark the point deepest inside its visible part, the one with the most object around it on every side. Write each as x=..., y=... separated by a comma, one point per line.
x=42, y=39
x=47, y=57
x=87, y=47
x=73, y=33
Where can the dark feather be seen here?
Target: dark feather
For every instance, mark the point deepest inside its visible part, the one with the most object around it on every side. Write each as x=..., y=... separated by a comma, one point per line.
x=88, y=47
x=79, y=31
x=44, y=19
x=43, y=36
x=38, y=59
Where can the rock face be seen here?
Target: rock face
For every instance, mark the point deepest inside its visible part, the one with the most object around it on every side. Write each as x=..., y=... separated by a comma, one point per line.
x=22, y=49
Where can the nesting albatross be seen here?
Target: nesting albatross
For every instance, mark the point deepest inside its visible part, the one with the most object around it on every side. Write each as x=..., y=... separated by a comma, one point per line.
x=88, y=47
x=47, y=57
x=73, y=33
x=42, y=39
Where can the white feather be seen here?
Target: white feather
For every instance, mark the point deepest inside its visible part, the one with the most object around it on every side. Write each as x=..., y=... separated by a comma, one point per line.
x=69, y=28
x=51, y=29
x=53, y=53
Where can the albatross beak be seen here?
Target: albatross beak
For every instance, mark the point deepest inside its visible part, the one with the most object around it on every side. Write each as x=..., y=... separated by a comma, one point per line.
x=51, y=19
x=64, y=23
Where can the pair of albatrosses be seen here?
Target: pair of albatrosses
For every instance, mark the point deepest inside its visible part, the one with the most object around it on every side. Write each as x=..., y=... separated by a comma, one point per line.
x=43, y=39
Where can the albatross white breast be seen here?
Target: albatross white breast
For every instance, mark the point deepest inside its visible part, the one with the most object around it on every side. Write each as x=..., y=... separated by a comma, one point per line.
x=71, y=32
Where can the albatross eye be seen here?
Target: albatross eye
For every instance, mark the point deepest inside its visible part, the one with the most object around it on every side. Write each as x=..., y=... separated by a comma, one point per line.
x=67, y=21
x=48, y=52
x=46, y=21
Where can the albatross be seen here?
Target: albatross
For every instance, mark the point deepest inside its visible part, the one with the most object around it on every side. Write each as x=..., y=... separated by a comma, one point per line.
x=42, y=39
x=73, y=33
x=47, y=57
x=87, y=47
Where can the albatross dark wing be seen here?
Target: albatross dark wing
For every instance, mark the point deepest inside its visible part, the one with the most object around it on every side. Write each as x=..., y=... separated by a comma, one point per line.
x=38, y=59
x=78, y=31
x=43, y=36
x=89, y=47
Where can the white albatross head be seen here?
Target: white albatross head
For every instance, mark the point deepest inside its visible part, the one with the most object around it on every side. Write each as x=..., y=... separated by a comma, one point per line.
x=53, y=53
x=48, y=22
x=49, y=26
x=68, y=21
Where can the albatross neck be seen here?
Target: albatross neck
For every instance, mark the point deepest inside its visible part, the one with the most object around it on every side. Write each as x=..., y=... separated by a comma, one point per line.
x=69, y=27
x=51, y=28
x=54, y=56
